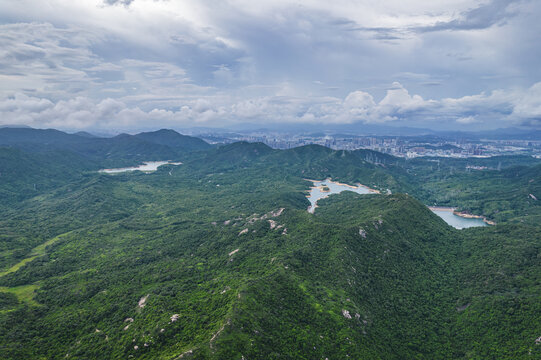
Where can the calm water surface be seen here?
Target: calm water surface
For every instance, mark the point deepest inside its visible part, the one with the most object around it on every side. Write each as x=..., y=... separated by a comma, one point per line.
x=456, y=221
x=147, y=166
x=317, y=193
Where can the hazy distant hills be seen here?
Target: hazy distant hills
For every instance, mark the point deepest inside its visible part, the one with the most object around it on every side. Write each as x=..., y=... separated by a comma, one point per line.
x=85, y=134
x=36, y=160
x=22, y=136
x=173, y=140
x=158, y=145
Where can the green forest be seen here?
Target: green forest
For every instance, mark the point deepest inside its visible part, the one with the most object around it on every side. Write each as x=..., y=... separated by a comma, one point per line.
x=218, y=258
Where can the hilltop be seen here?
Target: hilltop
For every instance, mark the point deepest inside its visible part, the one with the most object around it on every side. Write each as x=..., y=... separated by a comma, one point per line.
x=119, y=150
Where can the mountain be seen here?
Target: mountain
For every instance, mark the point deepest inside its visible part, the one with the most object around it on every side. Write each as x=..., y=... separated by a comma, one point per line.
x=15, y=126
x=85, y=134
x=120, y=150
x=218, y=258
x=25, y=136
x=174, y=140
x=239, y=154
x=333, y=286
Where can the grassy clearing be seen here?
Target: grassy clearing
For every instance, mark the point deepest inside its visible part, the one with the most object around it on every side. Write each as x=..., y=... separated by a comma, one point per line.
x=36, y=252
x=18, y=265
x=24, y=293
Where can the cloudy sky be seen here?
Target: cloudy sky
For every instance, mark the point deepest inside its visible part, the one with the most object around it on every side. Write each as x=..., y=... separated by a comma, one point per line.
x=140, y=64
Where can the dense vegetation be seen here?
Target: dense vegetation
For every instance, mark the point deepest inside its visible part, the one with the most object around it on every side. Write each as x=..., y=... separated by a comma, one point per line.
x=219, y=259
x=119, y=150
x=504, y=189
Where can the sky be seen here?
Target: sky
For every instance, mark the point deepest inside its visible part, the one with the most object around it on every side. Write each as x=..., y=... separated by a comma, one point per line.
x=125, y=65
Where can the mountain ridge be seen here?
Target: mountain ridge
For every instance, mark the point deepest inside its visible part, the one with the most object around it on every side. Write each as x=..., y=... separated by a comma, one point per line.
x=218, y=258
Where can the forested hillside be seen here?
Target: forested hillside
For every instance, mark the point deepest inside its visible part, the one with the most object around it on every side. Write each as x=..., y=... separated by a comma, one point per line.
x=120, y=150
x=218, y=258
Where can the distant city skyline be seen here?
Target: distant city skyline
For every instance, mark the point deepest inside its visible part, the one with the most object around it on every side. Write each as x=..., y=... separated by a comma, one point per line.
x=124, y=65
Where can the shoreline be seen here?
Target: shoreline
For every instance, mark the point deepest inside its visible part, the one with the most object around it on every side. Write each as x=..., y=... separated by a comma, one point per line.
x=140, y=167
x=441, y=208
x=471, y=216
x=462, y=214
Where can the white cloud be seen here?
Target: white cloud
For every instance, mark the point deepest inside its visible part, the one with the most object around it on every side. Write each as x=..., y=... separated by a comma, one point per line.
x=398, y=100
x=139, y=62
x=23, y=103
x=527, y=105
x=467, y=120
x=503, y=108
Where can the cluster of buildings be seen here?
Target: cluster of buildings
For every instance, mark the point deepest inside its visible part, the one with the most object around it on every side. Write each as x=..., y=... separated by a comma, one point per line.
x=401, y=146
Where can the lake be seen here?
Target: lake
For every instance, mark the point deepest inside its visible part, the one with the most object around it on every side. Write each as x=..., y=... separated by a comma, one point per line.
x=458, y=222
x=317, y=192
x=147, y=166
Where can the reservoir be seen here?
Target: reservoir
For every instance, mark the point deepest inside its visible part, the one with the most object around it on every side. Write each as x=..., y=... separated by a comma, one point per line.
x=458, y=222
x=324, y=188
x=147, y=166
